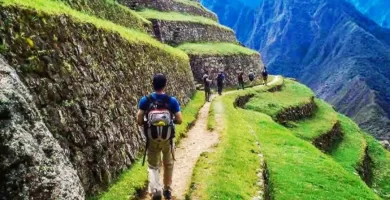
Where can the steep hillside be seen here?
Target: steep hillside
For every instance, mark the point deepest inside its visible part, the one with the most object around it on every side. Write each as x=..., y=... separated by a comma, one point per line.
x=328, y=45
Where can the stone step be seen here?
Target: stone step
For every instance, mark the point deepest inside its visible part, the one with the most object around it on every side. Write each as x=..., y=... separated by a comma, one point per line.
x=182, y=6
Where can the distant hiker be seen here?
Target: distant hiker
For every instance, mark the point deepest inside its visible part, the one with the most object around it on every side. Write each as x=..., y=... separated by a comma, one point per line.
x=251, y=76
x=264, y=74
x=207, y=85
x=220, y=79
x=158, y=113
x=240, y=79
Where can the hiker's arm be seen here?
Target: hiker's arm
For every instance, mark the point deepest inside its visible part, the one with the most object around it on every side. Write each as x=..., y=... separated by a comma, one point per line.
x=178, y=118
x=140, y=117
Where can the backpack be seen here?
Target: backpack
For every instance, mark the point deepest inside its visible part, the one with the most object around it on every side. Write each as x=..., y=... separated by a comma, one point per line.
x=206, y=83
x=220, y=78
x=240, y=78
x=264, y=72
x=251, y=77
x=159, y=120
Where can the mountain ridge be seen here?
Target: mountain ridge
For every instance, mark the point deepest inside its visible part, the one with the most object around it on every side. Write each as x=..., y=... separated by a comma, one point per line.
x=324, y=44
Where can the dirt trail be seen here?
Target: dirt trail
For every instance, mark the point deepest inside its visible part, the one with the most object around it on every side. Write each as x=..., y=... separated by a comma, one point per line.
x=199, y=140
x=187, y=153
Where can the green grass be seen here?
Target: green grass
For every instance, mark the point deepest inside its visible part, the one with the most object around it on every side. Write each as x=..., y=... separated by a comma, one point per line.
x=322, y=122
x=272, y=103
x=182, y=17
x=216, y=49
x=58, y=8
x=127, y=184
x=229, y=172
x=381, y=166
x=190, y=113
x=191, y=3
x=111, y=10
x=298, y=170
x=351, y=151
x=211, y=123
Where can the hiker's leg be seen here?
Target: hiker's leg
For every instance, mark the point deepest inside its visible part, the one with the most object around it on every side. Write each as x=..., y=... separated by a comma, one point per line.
x=154, y=161
x=168, y=163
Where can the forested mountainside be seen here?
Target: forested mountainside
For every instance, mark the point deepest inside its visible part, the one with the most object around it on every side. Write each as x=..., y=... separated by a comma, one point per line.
x=328, y=45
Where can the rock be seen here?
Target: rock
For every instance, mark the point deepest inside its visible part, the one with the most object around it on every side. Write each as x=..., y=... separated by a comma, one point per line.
x=386, y=144
x=33, y=164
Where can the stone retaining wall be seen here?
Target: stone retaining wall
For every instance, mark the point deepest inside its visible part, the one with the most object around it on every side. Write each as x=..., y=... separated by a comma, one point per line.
x=169, y=6
x=86, y=83
x=329, y=140
x=231, y=65
x=177, y=32
x=296, y=113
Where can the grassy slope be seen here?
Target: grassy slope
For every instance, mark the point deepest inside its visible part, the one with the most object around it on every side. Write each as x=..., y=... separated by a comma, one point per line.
x=111, y=10
x=300, y=171
x=381, y=166
x=216, y=49
x=322, y=122
x=297, y=169
x=350, y=152
x=266, y=102
x=135, y=178
x=176, y=16
x=58, y=8
x=230, y=171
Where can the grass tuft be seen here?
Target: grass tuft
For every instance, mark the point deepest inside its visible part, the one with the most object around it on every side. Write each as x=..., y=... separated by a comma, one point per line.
x=322, y=122
x=127, y=184
x=224, y=49
x=381, y=167
x=272, y=103
x=351, y=151
x=176, y=16
x=190, y=113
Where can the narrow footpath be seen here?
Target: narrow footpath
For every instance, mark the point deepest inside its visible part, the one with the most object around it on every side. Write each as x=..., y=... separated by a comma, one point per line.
x=199, y=139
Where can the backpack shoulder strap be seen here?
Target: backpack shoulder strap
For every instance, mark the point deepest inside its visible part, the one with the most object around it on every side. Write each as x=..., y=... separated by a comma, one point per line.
x=151, y=101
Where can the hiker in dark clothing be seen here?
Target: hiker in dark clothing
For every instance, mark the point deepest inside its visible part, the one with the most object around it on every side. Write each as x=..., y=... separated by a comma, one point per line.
x=220, y=79
x=240, y=80
x=207, y=85
x=264, y=74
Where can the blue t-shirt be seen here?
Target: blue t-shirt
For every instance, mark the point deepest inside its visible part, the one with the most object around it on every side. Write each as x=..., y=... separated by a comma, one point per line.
x=173, y=104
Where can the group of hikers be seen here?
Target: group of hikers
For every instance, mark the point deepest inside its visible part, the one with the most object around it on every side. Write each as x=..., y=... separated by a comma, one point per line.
x=207, y=81
x=157, y=115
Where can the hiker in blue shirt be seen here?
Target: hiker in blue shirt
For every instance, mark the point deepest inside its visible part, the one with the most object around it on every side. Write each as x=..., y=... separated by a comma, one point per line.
x=157, y=113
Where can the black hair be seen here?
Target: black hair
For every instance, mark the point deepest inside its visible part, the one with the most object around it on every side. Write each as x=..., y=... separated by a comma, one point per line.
x=159, y=82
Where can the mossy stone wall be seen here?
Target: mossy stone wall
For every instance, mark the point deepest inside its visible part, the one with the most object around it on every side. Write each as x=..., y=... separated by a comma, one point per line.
x=112, y=11
x=177, y=32
x=86, y=83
